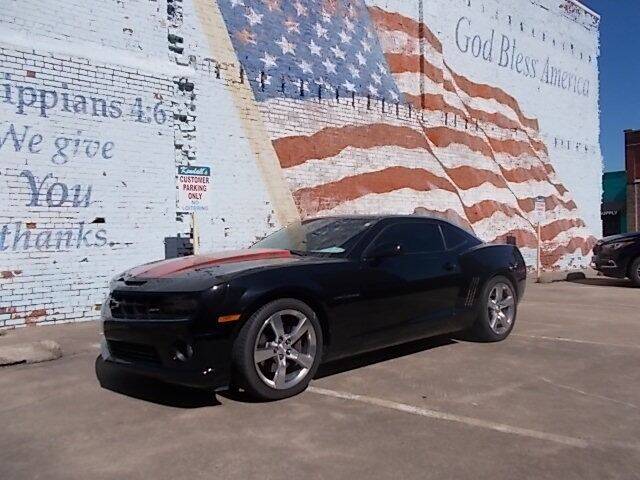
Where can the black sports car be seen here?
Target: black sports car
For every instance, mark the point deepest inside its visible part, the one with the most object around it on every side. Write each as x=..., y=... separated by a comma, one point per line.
x=264, y=318
x=619, y=256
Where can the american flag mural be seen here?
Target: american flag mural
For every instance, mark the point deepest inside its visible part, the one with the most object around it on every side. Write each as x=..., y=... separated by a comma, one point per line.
x=366, y=116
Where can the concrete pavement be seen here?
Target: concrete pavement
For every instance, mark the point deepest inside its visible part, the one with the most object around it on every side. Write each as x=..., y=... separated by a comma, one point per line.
x=559, y=399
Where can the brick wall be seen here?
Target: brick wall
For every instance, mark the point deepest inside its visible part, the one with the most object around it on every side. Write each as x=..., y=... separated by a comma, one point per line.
x=87, y=152
x=100, y=101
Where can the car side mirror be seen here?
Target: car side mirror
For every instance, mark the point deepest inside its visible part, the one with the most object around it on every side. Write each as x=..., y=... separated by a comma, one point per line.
x=385, y=250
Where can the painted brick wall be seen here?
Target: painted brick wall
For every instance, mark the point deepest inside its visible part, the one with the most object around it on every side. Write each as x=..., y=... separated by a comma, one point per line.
x=87, y=152
x=97, y=109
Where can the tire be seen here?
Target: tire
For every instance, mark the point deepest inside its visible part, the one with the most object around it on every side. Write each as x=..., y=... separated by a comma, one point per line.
x=489, y=326
x=264, y=364
x=634, y=272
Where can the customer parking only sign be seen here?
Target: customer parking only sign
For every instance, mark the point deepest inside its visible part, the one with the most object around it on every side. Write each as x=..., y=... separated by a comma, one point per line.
x=193, y=188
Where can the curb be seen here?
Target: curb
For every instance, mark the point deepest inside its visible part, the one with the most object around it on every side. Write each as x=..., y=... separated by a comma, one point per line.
x=562, y=276
x=28, y=353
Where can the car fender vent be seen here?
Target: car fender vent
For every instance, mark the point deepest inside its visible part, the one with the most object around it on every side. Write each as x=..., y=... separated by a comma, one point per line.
x=471, y=293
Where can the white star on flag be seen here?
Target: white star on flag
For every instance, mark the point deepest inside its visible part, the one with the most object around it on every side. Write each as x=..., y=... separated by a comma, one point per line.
x=376, y=78
x=348, y=24
x=366, y=46
x=329, y=65
x=382, y=69
x=292, y=26
x=305, y=67
x=355, y=73
x=361, y=58
x=301, y=10
x=236, y=3
x=337, y=52
x=253, y=17
x=272, y=5
x=245, y=36
x=286, y=46
x=320, y=31
x=326, y=18
x=326, y=85
x=344, y=37
x=268, y=60
x=315, y=49
x=394, y=95
x=373, y=90
x=349, y=86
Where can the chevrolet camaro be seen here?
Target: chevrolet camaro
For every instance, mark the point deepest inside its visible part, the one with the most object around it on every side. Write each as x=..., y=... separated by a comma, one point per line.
x=264, y=318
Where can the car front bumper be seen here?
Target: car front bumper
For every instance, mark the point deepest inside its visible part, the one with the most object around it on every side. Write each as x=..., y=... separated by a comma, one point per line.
x=608, y=266
x=167, y=351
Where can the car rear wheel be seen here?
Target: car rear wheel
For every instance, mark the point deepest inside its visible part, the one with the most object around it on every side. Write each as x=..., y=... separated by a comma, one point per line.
x=498, y=311
x=634, y=272
x=278, y=350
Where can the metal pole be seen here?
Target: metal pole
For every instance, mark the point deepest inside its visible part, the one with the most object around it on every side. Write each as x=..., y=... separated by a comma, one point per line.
x=539, y=261
x=423, y=52
x=196, y=234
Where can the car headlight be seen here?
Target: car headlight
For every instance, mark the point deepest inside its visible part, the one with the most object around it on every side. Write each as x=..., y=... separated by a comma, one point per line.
x=104, y=312
x=104, y=308
x=115, y=280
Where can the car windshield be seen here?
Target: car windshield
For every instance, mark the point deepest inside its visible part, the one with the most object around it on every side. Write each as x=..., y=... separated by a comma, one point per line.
x=327, y=236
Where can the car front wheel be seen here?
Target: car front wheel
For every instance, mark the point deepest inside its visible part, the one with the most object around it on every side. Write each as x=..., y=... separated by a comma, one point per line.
x=278, y=350
x=498, y=310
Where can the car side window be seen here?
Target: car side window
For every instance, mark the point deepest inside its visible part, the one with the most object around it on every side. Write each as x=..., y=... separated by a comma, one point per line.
x=454, y=237
x=415, y=237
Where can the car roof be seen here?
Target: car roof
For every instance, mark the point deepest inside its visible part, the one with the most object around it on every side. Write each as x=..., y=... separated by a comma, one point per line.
x=375, y=217
x=393, y=216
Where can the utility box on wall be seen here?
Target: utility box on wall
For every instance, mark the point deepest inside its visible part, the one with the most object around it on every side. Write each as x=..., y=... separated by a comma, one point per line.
x=175, y=247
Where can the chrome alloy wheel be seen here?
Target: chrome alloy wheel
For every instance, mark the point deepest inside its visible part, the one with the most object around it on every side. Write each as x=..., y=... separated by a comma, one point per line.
x=501, y=306
x=285, y=349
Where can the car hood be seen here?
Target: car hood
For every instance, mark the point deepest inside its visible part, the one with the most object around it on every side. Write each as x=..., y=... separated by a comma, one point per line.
x=199, y=272
x=621, y=237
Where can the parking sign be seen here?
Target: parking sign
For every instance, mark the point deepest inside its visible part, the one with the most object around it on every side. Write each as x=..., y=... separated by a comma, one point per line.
x=193, y=188
x=540, y=209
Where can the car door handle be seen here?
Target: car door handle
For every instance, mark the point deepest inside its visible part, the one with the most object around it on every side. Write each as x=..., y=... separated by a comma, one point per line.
x=449, y=266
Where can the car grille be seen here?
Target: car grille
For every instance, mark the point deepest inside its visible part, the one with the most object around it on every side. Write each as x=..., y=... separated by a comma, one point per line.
x=145, y=306
x=133, y=352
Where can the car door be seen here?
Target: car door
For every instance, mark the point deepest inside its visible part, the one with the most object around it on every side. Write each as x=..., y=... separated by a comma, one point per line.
x=413, y=293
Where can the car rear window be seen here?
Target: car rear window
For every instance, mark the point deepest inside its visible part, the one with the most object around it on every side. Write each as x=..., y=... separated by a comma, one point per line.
x=455, y=237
